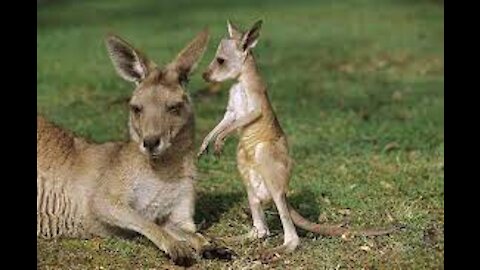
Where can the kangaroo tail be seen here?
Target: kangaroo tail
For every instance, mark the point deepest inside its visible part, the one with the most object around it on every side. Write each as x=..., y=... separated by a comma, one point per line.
x=334, y=230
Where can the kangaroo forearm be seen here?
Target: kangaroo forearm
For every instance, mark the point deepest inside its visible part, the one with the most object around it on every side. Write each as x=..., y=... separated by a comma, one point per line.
x=219, y=128
x=239, y=123
x=196, y=240
x=225, y=123
x=126, y=218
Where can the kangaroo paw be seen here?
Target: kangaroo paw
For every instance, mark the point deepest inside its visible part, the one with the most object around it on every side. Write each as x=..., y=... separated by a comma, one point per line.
x=221, y=253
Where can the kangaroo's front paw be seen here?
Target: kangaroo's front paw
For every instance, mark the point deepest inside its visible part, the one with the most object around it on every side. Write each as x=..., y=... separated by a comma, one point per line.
x=221, y=253
x=181, y=254
x=218, y=146
x=203, y=149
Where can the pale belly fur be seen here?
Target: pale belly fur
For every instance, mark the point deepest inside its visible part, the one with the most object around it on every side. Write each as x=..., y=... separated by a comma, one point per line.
x=156, y=199
x=258, y=186
x=241, y=104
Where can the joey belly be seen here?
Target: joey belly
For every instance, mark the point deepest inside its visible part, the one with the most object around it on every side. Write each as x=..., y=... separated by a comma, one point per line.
x=248, y=167
x=258, y=186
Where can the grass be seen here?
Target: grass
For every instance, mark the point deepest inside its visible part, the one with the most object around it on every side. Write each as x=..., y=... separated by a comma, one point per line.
x=357, y=86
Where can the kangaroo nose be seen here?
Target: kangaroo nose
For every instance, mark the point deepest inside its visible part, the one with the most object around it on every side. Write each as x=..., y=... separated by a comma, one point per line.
x=206, y=76
x=151, y=142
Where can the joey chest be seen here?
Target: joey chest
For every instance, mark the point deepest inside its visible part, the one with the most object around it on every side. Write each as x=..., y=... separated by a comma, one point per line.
x=154, y=198
x=240, y=102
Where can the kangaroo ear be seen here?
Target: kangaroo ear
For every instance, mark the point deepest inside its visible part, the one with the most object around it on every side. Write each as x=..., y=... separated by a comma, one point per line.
x=187, y=60
x=129, y=63
x=250, y=38
x=233, y=31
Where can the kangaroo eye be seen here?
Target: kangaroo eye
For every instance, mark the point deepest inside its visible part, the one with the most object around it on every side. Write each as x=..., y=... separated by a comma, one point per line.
x=220, y=60
x=136, y=109
x=175, y=108
x=183, y=79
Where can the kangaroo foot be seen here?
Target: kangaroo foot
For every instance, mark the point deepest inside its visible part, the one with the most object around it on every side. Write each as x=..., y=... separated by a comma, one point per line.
x=273, y=254
x=252, y=235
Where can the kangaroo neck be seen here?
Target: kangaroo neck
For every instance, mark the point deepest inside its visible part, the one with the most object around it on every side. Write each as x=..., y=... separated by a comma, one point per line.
x=250, y=77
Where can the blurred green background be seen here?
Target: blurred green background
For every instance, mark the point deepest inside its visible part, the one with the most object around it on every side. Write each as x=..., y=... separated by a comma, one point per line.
x=358, y=86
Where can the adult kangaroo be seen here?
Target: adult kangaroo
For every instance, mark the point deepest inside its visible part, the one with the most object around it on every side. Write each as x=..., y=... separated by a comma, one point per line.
x=144, y=185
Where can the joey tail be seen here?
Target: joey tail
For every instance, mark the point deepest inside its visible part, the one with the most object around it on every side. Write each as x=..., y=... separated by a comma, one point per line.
x=335, y=230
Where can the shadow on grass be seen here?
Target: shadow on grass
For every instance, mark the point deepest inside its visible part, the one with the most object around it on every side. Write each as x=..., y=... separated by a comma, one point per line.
x=211, y=206
x=306, y=198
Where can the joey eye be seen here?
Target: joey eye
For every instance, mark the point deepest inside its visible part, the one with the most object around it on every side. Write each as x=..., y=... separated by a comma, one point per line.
x=136, y=109
x=175, y=108
x=220, y=60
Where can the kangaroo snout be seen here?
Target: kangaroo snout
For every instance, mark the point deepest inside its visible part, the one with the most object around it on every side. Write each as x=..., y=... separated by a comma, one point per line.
x=150, y=143
x=206, y=75
x=154, y=145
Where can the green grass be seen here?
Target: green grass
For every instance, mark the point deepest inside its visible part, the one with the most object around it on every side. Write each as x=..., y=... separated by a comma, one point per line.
x=357, y=86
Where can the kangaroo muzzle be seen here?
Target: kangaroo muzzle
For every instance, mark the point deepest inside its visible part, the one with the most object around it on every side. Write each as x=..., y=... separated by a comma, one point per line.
x=154, y=146
x=206, y=75
x=151, y=143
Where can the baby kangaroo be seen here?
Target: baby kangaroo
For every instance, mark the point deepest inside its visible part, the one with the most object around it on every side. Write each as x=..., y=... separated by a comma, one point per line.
x=145, y=185
x=262, y=154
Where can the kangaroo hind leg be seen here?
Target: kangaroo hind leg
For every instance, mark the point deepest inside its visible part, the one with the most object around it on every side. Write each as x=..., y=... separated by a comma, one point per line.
x=274, y=167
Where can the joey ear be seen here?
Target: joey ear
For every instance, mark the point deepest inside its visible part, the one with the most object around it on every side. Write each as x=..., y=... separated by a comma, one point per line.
x=233, y=31
x=250, y=38
x=129, y=63
x=187, y=60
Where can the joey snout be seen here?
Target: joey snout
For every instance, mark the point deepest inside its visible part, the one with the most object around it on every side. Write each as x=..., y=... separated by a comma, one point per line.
x=206, y=75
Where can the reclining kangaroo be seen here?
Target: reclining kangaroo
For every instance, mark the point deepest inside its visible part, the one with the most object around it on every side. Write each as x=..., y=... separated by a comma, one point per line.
x=262, y=154
x=145, y=185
